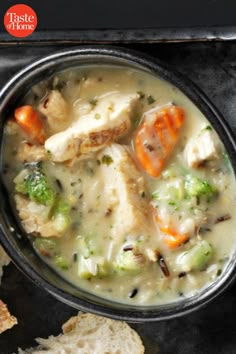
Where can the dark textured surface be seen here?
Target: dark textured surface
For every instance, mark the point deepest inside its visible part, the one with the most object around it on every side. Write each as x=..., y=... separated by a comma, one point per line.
x=211, y=330
x=71, y=14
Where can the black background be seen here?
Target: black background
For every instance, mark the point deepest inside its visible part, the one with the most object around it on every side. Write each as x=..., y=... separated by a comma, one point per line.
x=122, y=14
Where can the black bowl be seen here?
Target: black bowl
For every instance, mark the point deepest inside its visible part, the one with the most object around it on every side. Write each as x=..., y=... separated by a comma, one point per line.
x=14, y=239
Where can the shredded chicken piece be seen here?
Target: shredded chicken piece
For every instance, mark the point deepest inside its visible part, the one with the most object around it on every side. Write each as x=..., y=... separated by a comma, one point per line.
x=124, y=188
x=57, y=111
x=28, y=153
x=12, y=128
x=4, y=261
x=109, y=120
x=35, y=217
x=202, y=148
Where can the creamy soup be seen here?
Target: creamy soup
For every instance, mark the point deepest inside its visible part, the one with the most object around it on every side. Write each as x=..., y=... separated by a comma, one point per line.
x=122, y=185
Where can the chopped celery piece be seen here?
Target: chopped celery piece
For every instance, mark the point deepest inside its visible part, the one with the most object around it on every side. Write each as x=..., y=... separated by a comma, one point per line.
x=61, y=215
x=46, y=247
x=196, y=187
x=87, y=268
x=104, y=269
x=62, y=208
x=61, y=262
x=61, y=222
x=195, y=258
x=82, y=247
x=45, y=243
x=172, y=190
x=128, y=261
x=92, y=266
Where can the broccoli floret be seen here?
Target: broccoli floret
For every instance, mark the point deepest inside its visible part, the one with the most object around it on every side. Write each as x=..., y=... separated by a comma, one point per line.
x=196, y=187
x=36, y=186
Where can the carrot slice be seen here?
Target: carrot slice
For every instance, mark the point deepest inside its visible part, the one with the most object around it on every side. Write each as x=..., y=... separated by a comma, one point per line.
x=157, y=136
x=29, y=120
x=146, y=159
x=171, y=238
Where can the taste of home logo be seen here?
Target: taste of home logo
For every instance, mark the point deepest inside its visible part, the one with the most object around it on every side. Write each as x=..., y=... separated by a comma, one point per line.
x=20, y=20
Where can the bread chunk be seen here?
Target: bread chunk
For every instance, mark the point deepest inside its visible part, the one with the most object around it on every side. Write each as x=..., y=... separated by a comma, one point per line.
x=6, y=320
x=91, y=334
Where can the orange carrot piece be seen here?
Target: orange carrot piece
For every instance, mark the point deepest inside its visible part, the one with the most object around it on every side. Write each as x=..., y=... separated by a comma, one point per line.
x=171, y=238
x=29, y=120
x=150, y=169
x=175, y=240
x=157, y=136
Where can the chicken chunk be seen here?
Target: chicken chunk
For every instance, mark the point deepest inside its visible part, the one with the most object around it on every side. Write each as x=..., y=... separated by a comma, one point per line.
x=202, y=148
x=57, y=111
x=124, y=191
x=109, y=119
x=12, y=128
x=35, y=217
x=28, y=153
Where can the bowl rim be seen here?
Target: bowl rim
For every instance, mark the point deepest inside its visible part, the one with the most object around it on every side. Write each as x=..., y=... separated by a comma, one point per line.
x=145, y=62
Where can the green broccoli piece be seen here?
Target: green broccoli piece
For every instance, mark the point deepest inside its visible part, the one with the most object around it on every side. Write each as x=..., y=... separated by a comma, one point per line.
x=38, y=188
x=61, y=262
x=196, y=187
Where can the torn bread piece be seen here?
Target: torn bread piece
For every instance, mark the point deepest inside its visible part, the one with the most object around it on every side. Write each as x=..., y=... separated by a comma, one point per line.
x=4, y=261
x=91, y=334
x=7, y=321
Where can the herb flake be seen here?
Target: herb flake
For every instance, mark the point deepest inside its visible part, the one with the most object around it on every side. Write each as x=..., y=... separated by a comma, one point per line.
x=97, y=116
x=107, y=160
x=150, y=99
x=93, y=101
x=141, y=95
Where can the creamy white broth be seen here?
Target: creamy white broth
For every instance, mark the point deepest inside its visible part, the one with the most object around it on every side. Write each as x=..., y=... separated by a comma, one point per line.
x=80, y=184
